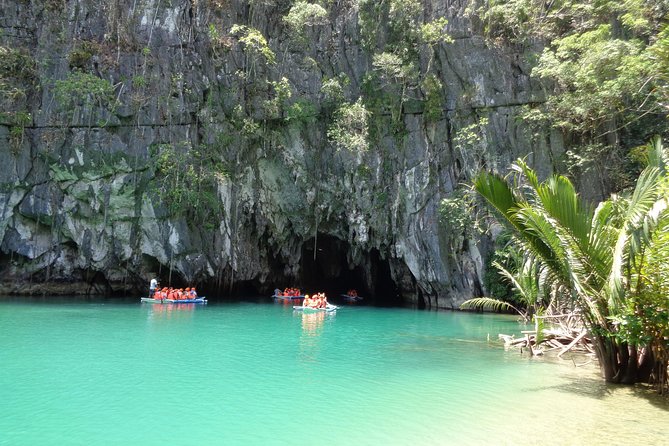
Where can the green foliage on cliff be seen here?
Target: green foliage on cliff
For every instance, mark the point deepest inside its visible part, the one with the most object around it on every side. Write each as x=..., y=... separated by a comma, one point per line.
x=255, y=47
x=281, y=92
x=350, y=128
x=402, y=41
x=303, y=14
x=81, y=55
x=600, y=82
x=334, y=89
x=601, y=67
x=81, y=89
x=16, y=64
x=458, y=220
x=187, y=181
x=457, y=213
x=18, y=73
x=302, y=111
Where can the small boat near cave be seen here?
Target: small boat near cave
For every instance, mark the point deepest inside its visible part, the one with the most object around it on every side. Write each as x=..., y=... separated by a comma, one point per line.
x=350, y=298
x=282, y=297
x=304, y=309
x=198, y=300
x=288, y=294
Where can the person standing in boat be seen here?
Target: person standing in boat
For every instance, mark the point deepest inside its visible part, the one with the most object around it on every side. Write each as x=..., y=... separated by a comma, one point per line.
x=152, y=287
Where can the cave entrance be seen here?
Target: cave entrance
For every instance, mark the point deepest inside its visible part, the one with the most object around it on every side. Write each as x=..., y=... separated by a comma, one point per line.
x=324, y=267
x=386, y=292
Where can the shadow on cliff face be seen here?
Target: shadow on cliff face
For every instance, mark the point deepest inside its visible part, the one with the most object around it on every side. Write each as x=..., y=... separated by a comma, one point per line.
x=326, y=266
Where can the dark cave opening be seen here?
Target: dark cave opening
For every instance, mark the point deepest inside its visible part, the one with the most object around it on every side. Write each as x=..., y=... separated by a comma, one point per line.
x=324, y=267
x=385, y=288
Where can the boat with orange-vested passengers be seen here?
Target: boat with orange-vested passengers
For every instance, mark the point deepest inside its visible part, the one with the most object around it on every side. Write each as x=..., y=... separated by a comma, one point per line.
x=351, y=296
x=171, y=295
x=317, y=303
x=197, y=300
x=288, y=294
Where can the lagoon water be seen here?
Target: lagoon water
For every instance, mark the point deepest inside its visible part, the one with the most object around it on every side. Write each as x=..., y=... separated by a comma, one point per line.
x=109, y=373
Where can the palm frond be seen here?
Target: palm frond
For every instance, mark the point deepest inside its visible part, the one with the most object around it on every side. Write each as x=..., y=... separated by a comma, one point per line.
x=656, y=155
x=496, y=191
x=602, y=238
x=521, y=167
x=541, y=238
x=558, y=196
x=524, y=281
x=488, y=304
x=637, y=222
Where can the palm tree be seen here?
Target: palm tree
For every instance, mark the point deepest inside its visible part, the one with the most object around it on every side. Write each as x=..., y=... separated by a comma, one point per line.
x=586, y=254
x=523, y=278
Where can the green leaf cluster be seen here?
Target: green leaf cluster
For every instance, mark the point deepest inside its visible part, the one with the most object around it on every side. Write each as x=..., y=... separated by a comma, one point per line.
x=594, y=74
x=187, y=181
x=350, y=128
x=304, y=14
x=254, y=43
x=81, y=89
x=403, y=43
x=596, y=258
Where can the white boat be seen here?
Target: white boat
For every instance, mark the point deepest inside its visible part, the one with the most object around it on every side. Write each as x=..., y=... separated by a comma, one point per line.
x=329, y=308
x=198, y=300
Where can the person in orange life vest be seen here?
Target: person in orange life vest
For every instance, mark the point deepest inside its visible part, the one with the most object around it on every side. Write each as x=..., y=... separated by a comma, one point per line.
x=307, y=301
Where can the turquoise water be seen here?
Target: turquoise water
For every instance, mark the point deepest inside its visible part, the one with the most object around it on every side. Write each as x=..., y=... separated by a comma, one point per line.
x=79, y=373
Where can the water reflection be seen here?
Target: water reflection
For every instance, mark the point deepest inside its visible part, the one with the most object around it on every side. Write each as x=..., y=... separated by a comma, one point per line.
x=289, y=302
x=312, y=329
x=312, y=323
x=171, y=311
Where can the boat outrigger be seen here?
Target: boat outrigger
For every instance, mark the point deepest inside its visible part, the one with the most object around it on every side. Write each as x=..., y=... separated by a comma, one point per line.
x=304, y=309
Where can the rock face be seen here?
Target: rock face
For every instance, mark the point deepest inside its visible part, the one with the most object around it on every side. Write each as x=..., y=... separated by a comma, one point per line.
x=192, y=140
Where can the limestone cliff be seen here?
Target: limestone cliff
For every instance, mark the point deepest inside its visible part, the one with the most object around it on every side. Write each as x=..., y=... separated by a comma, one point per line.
x=197, y=140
